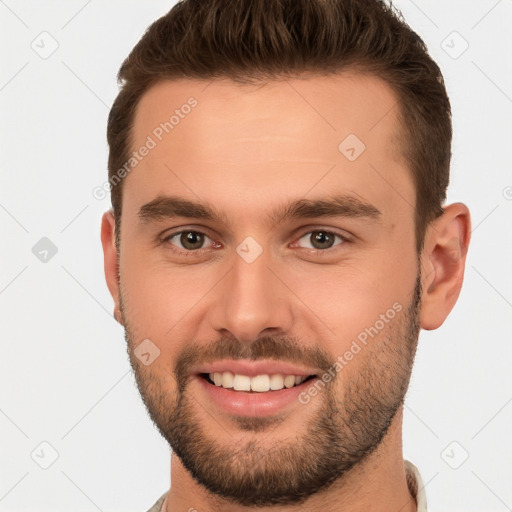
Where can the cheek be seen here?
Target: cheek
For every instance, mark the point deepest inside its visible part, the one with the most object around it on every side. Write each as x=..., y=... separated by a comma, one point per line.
x=351, y=297
x=159, y=298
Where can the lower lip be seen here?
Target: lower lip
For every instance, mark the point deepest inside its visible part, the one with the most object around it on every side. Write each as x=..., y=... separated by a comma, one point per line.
x=244, y=403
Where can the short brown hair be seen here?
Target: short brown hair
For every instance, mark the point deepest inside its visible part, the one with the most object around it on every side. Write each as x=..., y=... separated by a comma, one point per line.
x=259, y=40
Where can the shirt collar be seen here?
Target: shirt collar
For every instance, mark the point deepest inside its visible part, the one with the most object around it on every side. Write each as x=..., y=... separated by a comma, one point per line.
x=416, y=487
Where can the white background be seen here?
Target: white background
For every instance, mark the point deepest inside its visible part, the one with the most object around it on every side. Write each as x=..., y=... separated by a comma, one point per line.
x=64, y=373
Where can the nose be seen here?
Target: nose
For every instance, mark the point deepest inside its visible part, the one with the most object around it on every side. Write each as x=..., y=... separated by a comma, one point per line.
x=251, y=302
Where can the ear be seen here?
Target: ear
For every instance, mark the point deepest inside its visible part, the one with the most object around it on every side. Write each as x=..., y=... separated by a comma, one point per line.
x=443, y=260
x=110, y=259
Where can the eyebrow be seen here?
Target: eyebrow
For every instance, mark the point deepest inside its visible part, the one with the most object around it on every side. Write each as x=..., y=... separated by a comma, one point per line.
x=168, y=207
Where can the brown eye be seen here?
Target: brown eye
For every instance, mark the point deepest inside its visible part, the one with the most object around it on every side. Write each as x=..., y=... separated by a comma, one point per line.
x=191, y=240
x=320, y=239
x=188, y=240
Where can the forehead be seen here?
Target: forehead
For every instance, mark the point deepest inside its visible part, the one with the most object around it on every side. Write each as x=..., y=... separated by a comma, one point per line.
x=223, y=140
x=332, y=106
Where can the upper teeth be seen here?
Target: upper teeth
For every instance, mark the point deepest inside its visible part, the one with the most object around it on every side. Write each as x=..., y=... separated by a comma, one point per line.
x=259, y=383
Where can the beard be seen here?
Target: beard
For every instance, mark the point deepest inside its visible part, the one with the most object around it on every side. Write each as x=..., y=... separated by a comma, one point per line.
x=345, y=429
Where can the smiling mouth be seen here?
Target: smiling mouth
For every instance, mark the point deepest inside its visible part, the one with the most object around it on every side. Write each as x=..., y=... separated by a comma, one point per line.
x=257, y=384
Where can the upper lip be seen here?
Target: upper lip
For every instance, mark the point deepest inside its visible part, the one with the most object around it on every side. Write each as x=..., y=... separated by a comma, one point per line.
x=253, y=368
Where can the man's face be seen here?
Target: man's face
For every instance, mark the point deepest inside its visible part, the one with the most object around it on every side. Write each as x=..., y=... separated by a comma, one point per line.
x=277, y=275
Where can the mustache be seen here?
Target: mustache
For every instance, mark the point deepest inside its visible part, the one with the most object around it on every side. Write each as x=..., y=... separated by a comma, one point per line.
x=276, y=348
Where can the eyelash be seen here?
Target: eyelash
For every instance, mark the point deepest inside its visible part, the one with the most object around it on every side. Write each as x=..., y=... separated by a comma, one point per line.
x=165, y=240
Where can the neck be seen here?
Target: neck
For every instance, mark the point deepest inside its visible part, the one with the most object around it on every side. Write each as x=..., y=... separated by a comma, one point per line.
x=378, y=483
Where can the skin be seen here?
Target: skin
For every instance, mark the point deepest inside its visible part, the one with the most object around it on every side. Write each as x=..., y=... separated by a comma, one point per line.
x=237, y=151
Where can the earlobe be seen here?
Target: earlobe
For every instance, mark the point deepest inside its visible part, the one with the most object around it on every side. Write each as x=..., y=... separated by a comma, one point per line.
x=118, y=315
x=443, y=261
x=110, y=260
